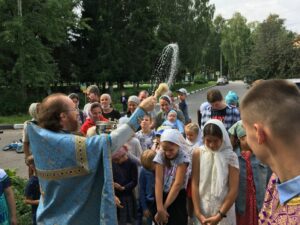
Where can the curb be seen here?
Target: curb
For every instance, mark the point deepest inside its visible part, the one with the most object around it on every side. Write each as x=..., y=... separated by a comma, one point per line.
x=11, y=126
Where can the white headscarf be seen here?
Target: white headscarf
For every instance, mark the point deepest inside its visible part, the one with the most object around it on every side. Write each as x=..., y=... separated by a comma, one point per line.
x=174, y=136
x=214, y=164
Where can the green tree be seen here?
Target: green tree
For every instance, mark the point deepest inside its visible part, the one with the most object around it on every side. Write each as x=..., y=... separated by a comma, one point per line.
x=235, y=43
x=273, y=53
x=29, y=32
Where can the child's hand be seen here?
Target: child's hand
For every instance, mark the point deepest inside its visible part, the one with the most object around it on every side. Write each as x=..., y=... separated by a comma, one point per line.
x=201, y=218
x=118, y=202
x=213, y=220
x=161, y=216
x=118, y=187
x=147, y=213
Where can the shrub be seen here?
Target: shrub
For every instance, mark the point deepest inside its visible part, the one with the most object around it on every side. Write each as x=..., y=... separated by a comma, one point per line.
x=198, y=79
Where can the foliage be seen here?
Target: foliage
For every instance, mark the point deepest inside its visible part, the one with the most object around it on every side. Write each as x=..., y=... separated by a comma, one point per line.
x=18, y=185
x=198, y=79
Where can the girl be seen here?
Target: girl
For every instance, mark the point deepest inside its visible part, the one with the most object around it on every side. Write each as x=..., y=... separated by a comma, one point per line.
x=146, y=134
x=193, y=140
x=107, y=110
x=94, y=115
x=170, y=179
x=215, y=177
x=7, y=201
x=193, y=136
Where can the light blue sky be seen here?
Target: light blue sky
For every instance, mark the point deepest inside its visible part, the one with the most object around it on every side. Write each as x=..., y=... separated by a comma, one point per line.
x=258, y=10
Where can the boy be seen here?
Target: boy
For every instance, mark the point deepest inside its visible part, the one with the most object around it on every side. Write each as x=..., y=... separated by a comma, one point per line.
x=32, y=191
x=270, y=113
x=182, y=93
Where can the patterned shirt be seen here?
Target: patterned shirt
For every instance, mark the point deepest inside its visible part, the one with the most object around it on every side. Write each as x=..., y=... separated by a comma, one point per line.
x=232, y=115
x=170, y=172
x=146, y=140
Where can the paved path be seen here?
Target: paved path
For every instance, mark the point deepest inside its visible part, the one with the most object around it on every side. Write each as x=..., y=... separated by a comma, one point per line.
x=10, y=159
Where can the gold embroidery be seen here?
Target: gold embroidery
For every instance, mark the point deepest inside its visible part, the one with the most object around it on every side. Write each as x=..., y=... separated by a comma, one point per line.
x=81, y=169
x=294, y=201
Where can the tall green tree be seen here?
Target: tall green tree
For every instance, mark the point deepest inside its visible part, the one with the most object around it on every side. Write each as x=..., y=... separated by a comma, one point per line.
x=235, y=43
x=273, y=53
x=29, y=31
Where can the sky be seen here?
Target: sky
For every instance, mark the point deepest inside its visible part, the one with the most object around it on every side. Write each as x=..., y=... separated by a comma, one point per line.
x=258, y=10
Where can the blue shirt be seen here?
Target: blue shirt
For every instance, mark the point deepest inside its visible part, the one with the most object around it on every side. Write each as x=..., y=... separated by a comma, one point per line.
x=288, y=189
x=146, y=190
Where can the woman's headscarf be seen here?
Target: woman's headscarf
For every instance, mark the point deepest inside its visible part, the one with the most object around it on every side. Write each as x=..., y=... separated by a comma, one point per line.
x=231, y=98
x=33, y=108
x=166, y=98
x=216, y=162
x=174, y=136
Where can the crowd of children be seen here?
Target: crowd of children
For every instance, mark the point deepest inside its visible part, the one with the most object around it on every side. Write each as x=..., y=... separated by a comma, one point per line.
x=170, y=172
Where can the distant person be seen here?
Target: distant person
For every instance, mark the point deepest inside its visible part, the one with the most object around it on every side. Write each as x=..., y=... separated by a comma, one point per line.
x=124, y=101
x=232, y=99
x=165, y=103
x=8, y=212
x=33, y=112
x=183, y=106
x=219, y=110
x=32, y=191
x=94, y=115
x=270, y=112
x=93, y=95
x=143, y=95
x=75, y=172
x=107, y=110
x=75, y=98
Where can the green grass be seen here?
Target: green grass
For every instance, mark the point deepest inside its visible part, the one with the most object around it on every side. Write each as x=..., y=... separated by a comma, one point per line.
x=14, y=119
x=129, y=90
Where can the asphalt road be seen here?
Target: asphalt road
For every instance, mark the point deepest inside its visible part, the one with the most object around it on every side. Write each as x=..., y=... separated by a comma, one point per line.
x=11, y=159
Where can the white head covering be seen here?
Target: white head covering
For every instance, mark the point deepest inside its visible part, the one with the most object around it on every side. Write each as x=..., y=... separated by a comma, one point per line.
x=174, y=136
x=33, y=110
x=215, y=163
x=135, y=99
x=109, y=101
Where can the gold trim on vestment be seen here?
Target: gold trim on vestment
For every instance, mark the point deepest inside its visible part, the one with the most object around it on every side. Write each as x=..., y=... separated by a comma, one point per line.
x=80, y=170
x=294, y=201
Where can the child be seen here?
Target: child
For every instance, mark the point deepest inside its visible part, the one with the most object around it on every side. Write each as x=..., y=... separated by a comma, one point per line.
x=7, y=201
x=146, y=185
x=173, y=122
x=146, y=134
x=125, y=175
x=215, y=177
x=182, y=93
x=170, y=179
x=253, y=181
x=193, y=140
x=32, y=191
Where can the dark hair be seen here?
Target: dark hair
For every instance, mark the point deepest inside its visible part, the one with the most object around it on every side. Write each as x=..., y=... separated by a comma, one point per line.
x=95, y=105
x=73, y=95
x=214, y=95
x=93, y=89
x=50, y=110
x=213, y=130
